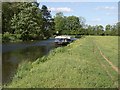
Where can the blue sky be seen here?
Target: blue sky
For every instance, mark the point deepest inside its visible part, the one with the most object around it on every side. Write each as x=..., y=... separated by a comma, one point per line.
x=94, y=12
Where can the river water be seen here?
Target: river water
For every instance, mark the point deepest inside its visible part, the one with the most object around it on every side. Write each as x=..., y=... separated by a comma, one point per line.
x=14, y=53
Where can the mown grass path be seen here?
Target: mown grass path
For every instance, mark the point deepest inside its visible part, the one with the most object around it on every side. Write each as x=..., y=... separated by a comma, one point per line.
x=97, y=48
x=112, y=65
x=78, y=65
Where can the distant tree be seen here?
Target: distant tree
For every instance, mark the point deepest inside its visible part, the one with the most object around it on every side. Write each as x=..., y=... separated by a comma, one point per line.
x=60, y=23
x=91, y=30
x=73, y=25
x=81, y=29
x=60, y=14
x=82, y=21
x=48, y=22
x=108, y=29
x=100, y=30
x=114, y=30
x=69, y=25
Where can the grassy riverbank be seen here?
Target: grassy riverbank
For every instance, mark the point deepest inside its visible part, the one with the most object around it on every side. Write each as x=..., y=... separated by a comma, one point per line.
x=78, y=65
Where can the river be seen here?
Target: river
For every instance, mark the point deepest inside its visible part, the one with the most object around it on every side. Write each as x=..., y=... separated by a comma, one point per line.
x=14, y=53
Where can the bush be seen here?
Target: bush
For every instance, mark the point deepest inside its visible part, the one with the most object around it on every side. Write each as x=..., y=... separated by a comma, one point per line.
x=7, y=37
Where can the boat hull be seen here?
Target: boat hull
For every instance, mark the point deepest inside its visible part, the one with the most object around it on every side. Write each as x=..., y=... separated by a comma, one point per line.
x=61, y=43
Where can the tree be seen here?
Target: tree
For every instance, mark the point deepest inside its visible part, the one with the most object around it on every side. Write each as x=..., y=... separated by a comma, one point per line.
x=114, y=30
x=48, y=22
x=27, y=22
x=108, y=29
x=91, y=30
x=73, y=25
x=69, y=25
x=100, y=30
x=60, y=23
x=7, y=13
x=82, y=22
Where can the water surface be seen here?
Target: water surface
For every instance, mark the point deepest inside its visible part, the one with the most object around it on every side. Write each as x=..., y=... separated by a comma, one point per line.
x=14, y=53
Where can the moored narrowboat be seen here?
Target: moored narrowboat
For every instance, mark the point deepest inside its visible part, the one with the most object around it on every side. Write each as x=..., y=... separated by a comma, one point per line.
x=63, y=40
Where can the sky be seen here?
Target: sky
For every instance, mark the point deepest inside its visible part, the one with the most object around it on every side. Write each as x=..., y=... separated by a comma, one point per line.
x=95, y=13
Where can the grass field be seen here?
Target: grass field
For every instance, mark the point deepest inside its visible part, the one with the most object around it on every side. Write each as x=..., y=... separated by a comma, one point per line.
x=78, y=65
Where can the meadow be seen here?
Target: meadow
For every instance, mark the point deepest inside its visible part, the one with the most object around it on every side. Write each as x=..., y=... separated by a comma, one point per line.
x=88, y=62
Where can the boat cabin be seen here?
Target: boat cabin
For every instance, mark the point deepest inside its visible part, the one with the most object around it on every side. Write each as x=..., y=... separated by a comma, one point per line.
x=62, y=40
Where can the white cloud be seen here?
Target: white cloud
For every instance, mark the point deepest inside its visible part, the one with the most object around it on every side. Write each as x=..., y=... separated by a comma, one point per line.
x=60, y=9
x=106, y=8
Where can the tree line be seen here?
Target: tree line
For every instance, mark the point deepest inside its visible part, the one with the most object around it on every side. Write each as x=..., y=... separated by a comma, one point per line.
x=76, y=25
x=26, y=21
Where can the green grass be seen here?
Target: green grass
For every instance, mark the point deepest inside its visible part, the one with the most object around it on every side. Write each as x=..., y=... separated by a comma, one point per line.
x=109, y=46
x=78, y=65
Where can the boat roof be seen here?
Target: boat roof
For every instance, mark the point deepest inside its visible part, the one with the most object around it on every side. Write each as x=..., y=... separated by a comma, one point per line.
x=63, y=37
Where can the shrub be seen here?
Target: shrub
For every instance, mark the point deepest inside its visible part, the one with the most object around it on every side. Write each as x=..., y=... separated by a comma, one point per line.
x=6, y=37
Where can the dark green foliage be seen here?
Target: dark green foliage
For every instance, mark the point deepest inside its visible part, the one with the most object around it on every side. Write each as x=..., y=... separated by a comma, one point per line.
x=27, y=22
x=6, y=16
x=108, y=29
x=67, y=25
x=8, y=11
x=99, y=30
x=60, y=23
x=26, y=19
x=73, y=25
x=48, y=22
x=6, y=37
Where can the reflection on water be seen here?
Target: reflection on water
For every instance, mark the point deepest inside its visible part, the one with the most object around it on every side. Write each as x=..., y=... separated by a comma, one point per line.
x=12, y=57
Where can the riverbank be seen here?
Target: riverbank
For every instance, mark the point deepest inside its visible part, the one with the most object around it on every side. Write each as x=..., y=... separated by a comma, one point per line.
x=77, y=65
x=8, y=37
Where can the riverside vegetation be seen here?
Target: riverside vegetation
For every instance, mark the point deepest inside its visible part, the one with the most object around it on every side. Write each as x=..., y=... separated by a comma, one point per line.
x=77, y=65
x=87, y=62
x=23, y=21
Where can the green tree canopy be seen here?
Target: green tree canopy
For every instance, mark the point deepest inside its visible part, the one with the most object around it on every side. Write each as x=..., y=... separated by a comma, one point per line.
x=27, y=22
x=48, y=22
x=60, y=23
